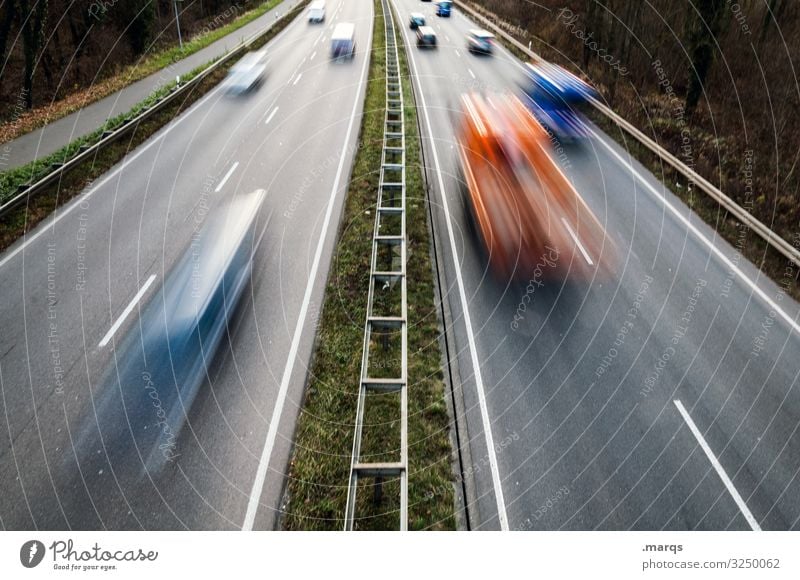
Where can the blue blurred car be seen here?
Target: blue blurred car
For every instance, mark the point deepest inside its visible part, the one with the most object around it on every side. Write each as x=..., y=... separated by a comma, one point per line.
x=480, y=41
x=444, y=8
x=553, y=95
x=147, y=394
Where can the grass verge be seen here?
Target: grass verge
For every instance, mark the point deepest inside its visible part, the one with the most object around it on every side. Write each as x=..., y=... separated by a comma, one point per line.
x=147, y=65
x=316, y=491
x=21, y=220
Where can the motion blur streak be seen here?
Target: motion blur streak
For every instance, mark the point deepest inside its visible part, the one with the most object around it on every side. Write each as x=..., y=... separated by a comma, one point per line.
x=148, y=391
x=523, y=205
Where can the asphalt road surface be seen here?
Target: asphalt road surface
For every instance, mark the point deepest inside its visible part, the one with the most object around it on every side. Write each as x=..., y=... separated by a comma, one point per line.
x=660, y=397
x=74, y=288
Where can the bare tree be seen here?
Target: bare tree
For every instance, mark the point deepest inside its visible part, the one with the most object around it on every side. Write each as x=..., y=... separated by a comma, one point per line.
x=32, y=37
x=701, y=47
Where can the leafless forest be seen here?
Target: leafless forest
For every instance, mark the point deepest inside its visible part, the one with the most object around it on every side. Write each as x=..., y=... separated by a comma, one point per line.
x=49, y=48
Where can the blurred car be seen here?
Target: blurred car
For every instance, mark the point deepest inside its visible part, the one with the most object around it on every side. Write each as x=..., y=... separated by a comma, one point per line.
x=480, y=41
x=316, y=12
x=146, y=395
x=247, y=74
x=343, y=41
x=417, y=19
x=553, y=95
x=444, y=8
x=426, y=37
x=529, y=219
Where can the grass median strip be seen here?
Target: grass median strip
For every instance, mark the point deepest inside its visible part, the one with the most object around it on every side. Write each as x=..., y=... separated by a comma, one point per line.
x=14, y=224
x=317, y=485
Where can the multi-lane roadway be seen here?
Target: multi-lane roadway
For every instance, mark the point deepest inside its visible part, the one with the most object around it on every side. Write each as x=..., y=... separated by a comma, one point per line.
x=73, y=288
x=662, y=396
x=659, y=396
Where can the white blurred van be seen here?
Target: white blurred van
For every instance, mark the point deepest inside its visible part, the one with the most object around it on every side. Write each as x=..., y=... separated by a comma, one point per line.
x=316, y=12
x=343, y=41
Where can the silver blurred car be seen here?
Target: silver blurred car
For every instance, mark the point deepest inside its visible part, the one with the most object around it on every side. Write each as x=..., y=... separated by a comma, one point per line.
x=247, y=74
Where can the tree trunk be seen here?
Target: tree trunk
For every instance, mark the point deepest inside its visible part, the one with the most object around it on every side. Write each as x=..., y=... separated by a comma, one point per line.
x=32, y=36
x=701, y=45
x=771, y=15
x=9, y=14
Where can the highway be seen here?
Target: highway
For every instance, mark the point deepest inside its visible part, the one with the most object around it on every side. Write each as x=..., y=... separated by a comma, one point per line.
x=660, y=397
x=74, y=287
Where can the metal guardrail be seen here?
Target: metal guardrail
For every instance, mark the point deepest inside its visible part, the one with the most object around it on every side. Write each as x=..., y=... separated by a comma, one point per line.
x=129, y=125
x=387, y=270
x=761, y=229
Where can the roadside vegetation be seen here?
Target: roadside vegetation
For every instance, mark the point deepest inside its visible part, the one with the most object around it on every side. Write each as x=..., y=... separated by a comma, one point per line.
x=316, y=492
x=14, y=224
x=62, y=85
x=711, y=85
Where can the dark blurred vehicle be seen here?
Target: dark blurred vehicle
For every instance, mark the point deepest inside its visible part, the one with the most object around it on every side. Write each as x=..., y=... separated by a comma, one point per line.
x=343, y=41
x=316, y=12
x=480, y=41
x=553, y=94
x=426, y=37
x=147, y=394
x=417, y=19
x=247, y=74
x=444, y=8
x=524, y=209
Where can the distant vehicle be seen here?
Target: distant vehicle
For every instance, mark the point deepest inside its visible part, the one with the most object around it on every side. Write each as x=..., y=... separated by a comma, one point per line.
x=524, y=210
x=553, y=95
x=444, y=8
x=426, y=37
x=316, y=12
x=417, y=19
x=247, y=74
x=343, y=41
x=147, y=392
x=480, y=41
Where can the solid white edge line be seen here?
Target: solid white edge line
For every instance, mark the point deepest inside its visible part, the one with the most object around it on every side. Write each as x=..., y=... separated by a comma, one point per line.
x=226, y=178
x=297, y=79
x=272, y=114
x=487, y=427
x=718, y=467
x=313, y=55
x=263, y=465
x=733, y=268
x=578, y=243
x=109, y=335
x=662, y=197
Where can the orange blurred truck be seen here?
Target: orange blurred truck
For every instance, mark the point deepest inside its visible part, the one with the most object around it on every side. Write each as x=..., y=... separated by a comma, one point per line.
x=525, y=210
